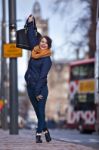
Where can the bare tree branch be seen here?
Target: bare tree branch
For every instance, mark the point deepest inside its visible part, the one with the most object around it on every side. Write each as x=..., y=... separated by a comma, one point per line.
x=77, y=16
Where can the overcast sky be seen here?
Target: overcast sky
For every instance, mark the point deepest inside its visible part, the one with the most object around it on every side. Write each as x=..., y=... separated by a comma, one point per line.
x=60, y=28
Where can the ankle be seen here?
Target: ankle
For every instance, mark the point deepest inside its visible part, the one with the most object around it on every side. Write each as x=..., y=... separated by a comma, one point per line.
x=47, y=136
x=46, y=131
x=38, y=138
x=38, y=134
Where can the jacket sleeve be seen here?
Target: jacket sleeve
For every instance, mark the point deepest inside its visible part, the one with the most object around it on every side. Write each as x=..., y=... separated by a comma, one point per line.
x=43, y=75
x=32, y=38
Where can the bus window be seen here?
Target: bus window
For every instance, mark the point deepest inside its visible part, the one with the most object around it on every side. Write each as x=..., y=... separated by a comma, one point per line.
x=87, y=71
x=74, y=72
x=84, y=71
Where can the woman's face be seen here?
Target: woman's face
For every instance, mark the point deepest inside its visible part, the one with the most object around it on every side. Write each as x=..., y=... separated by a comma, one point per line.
x=43, y=44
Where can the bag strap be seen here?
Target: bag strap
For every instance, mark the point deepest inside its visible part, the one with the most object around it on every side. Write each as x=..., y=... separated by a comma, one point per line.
x=34, y=24
x=25, y=26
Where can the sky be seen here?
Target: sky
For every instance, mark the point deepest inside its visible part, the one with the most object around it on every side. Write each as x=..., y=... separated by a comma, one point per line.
x=60, y=27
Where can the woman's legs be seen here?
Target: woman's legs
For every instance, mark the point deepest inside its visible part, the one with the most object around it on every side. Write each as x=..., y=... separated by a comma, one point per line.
x=33, y=99
x=41, y=110
x=39, y=107
x=41, y=115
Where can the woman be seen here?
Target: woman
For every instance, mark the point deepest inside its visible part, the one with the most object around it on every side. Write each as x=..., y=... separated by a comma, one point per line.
x=36, y=77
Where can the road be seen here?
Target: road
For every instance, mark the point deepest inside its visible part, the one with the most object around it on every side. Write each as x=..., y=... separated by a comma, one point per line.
x=73, y=136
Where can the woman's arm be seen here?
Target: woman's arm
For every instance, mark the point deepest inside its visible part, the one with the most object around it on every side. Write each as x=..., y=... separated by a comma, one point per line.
x=31, y=33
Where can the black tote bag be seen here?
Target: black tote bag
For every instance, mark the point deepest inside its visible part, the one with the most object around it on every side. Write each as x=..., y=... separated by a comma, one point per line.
x=22, y=38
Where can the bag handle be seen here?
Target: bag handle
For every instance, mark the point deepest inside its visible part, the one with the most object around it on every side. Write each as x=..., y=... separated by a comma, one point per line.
x=34, y=24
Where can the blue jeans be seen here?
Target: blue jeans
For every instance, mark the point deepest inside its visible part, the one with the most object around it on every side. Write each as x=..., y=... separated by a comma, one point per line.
x=39, y=107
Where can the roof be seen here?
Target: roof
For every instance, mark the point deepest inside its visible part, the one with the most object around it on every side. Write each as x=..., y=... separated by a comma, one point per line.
x=84, y=61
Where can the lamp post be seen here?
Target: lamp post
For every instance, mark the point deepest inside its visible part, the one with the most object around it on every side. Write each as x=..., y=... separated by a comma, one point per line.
x=3, y=94
x=13, y=71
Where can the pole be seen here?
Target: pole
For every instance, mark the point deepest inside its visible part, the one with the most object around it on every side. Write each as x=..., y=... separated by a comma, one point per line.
x=13, y=71
x=97, y=39
x=3, y=72
x=97, y=70
x=97, y=50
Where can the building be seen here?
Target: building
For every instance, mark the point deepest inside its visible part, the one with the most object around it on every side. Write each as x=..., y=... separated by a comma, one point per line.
x=42, y=24
x=58, y=83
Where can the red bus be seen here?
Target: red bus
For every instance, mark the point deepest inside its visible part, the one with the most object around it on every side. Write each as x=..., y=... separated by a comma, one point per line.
x=82, y=109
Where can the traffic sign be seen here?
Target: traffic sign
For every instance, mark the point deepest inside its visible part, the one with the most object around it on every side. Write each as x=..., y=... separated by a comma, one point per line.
x=86, y=86
x=11, y=51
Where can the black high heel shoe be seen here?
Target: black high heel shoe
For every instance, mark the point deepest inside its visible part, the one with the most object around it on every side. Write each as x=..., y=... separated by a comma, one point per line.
x=47, y=136
x=38, y=139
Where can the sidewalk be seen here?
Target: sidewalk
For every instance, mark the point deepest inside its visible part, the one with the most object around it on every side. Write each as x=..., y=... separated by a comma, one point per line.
x=25, y=140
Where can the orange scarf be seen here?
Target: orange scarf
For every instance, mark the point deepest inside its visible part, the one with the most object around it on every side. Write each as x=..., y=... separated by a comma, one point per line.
x=38, y=53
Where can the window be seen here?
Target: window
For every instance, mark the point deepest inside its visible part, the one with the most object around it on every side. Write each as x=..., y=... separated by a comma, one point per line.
x=83, y=71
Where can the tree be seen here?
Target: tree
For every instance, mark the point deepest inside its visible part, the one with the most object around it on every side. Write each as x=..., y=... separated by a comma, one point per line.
x=92, y=30
x=83, y=17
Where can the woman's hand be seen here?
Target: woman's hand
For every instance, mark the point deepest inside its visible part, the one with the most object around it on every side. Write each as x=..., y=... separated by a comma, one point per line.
x=39, y=97
x=30, y=18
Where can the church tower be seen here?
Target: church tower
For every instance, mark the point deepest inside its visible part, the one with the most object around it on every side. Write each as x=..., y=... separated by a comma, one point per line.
x=42, y=24
x=37, y=10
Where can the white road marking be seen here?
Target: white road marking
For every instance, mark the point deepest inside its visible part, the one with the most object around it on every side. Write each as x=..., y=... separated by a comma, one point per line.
x=79, y=141
x=94, y=140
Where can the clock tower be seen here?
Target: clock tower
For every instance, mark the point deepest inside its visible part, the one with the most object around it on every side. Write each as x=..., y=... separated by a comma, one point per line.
x=42, y=24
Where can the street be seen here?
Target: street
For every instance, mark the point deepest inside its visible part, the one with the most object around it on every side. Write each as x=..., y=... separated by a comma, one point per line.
x=73, y=136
